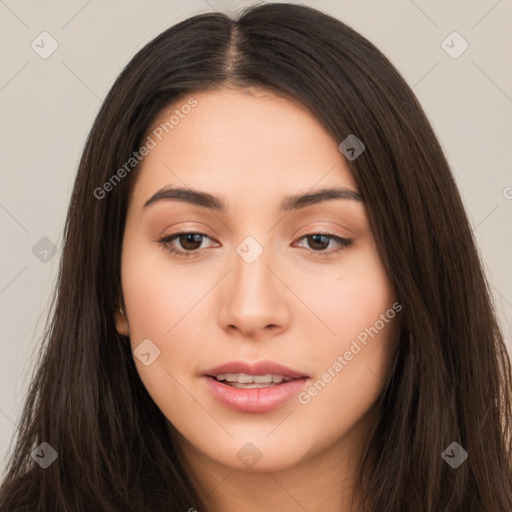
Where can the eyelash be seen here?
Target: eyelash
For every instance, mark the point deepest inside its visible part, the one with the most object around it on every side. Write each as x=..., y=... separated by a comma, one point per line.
x=345, y=243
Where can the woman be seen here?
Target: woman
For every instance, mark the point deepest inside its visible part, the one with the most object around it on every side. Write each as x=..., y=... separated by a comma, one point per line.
x=328, y=339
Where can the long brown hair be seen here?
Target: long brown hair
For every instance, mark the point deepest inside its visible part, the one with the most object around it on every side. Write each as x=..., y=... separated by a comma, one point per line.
x=451, y=378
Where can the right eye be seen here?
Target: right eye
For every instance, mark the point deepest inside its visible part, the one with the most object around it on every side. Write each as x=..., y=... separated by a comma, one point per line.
x=188, y=240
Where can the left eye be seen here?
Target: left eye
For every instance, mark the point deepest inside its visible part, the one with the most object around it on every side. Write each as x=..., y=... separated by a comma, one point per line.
x=321, y=240
x=191, y=242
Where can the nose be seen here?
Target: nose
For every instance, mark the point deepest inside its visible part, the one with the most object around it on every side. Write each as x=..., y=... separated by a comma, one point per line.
x=253, y=298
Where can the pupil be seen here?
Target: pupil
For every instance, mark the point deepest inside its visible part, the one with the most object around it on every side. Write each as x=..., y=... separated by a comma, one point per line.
x=316, y=239
x=192, y=238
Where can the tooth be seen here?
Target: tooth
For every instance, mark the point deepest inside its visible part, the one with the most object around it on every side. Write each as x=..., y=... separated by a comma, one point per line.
x=260, y=379
x=230, y=377
x=244, y=378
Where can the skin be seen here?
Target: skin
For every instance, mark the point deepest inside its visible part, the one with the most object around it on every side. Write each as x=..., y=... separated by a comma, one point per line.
x=292, y=305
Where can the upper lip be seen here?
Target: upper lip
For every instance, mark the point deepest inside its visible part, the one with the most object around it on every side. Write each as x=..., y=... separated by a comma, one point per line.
x=256, y=368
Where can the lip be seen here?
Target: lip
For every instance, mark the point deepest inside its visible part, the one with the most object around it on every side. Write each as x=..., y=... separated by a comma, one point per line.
x=254, y=399
x=259, y=368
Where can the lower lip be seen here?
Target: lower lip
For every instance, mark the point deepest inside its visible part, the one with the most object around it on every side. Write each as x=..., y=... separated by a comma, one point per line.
x=255, y=399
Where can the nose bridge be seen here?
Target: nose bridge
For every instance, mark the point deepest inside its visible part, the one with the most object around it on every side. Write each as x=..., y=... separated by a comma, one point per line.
x=252, y=277
x=253, y=298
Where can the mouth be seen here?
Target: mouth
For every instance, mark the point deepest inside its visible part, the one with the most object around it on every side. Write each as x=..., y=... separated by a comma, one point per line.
x=258, y=387
x=247, y=381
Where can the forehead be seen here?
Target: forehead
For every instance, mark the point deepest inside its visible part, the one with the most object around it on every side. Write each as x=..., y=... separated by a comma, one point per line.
x=237, y=141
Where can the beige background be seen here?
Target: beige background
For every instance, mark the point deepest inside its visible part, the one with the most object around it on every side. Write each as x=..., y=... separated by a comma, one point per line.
x=48, y=106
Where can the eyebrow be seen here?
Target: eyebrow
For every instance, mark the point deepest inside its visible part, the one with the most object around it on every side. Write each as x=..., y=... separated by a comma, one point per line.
x=294, y=202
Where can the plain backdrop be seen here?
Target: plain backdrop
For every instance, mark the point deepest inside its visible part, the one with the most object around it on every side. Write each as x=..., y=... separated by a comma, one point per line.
x=48, y=104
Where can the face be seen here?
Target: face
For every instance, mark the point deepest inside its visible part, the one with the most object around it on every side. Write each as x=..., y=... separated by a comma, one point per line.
x=254, y=282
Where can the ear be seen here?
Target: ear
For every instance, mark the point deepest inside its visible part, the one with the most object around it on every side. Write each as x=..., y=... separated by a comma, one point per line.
x=122, y=326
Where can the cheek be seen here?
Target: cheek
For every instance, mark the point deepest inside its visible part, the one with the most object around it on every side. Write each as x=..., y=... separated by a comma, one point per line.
x=353, y=360
x=156, y=294
x=160, y=308
x=349, y=297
